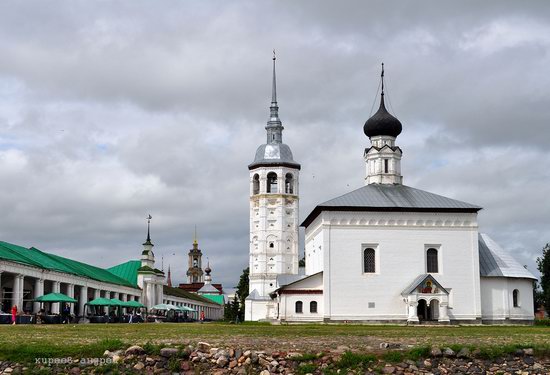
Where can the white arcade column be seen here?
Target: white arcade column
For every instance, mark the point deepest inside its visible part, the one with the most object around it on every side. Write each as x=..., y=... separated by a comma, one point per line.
x=38, y=291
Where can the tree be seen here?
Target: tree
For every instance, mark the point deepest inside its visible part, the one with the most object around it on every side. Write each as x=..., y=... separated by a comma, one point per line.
x=232, y=309
x=242, y=291
x=302, y=262
x=543, y=264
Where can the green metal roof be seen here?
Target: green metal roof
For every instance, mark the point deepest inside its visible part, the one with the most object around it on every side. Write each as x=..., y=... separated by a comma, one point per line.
x=177, y=292
x=218, y=298
x=37, y=258
x=127, y=271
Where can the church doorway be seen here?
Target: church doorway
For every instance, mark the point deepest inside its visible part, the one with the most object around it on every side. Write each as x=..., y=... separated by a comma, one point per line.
x=427, y=312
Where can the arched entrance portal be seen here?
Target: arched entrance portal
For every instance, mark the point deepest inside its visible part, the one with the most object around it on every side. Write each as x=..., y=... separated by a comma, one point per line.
x=428, y=312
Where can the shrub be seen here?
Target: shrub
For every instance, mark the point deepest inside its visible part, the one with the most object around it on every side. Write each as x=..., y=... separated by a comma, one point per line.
x=306, y=368
x=393, y=356
x=351, y=360
x=419, y=352
x=543, y=322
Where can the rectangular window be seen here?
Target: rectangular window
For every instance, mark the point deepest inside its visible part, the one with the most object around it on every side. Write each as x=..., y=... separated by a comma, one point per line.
x=386, y=162
x=432, y=260
x=370, y=258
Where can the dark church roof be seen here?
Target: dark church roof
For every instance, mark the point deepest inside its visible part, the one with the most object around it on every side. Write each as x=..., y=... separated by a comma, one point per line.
x=382, y=123
x=386, y=197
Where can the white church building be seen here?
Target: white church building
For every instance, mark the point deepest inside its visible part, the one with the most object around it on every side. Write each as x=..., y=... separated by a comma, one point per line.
x=385, y=252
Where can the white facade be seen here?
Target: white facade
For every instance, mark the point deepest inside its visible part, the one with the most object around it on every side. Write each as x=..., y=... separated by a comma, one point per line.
x=273, y=228
x=400, y=240
x=497, y=297
x=25, y=283
x=302, y=301
x=387, y=252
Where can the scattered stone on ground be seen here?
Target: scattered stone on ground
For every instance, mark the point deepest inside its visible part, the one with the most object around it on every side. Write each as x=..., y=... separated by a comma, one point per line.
x=206, y=359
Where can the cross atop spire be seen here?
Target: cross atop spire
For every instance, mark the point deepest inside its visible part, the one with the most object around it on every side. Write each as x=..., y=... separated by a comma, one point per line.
x=274, y=85
x=148, y=240
x=382, y=78
x=274, y=126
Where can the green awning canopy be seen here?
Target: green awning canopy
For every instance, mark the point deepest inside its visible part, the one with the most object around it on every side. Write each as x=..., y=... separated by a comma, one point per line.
x=55, y=297
x=116, y=302
x=101, y=302
x=186, y=308
x=133, y=304
x=164, y=306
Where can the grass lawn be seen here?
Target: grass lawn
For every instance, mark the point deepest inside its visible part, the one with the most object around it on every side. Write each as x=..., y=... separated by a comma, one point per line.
x=24, y=342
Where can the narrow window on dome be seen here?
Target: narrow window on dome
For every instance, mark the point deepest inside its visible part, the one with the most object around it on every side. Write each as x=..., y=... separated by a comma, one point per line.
x=385, y=165
x=289, y=184
x=272, y=182
x=256, y=184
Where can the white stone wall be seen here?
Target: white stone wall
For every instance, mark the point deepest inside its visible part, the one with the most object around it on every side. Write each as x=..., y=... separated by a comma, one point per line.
x=255, y=310
x=273, y=230
x=314, y=247
x=400, y=241
x=497, y=300
x=290, y=294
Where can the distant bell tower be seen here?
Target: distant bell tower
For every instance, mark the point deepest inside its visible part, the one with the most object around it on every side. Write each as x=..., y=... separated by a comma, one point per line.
x=273, y=182
x=383, y=158
x=194, y=271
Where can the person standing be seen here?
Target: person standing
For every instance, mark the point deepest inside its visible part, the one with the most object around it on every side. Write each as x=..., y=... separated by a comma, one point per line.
x=14, y=314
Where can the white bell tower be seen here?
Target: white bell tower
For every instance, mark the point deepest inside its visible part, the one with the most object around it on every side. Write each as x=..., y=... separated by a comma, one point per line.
x=274, y=177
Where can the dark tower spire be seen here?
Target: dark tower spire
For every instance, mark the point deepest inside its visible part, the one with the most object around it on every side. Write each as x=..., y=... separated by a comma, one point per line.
x=274, y=126
x=169, y=281
x=382, y=122
x=148, y=240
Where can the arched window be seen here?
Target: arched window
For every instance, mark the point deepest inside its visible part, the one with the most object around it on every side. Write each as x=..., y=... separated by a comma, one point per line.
x=369, y=260
x=299, y=307
x=256, y=184
x=515, y=297
x=272, y=182
x=431, y=261
x=313, y=307
x=289, y=183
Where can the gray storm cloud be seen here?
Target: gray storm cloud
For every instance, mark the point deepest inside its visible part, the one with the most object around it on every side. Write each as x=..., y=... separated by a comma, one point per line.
x=110, y=111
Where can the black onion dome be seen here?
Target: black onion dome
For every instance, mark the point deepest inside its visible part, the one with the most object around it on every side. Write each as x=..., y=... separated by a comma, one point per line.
x=382, y=123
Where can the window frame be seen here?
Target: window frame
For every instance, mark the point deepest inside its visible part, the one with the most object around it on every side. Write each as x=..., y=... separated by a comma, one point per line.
x=377, y=266
x=311, y=304
x=256, y=184
x=515, y=298
x=289, y=183
x=269, y=184
x=430, y=265
x=301, y=309
x=439, y=249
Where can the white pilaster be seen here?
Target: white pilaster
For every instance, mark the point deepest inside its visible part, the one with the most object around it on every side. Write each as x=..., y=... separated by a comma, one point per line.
x=15, y=292
x=38, y=291
x=56, y=287
x=82, y=300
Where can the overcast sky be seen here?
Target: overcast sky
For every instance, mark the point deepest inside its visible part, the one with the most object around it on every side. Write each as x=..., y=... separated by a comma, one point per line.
x=112, y=110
